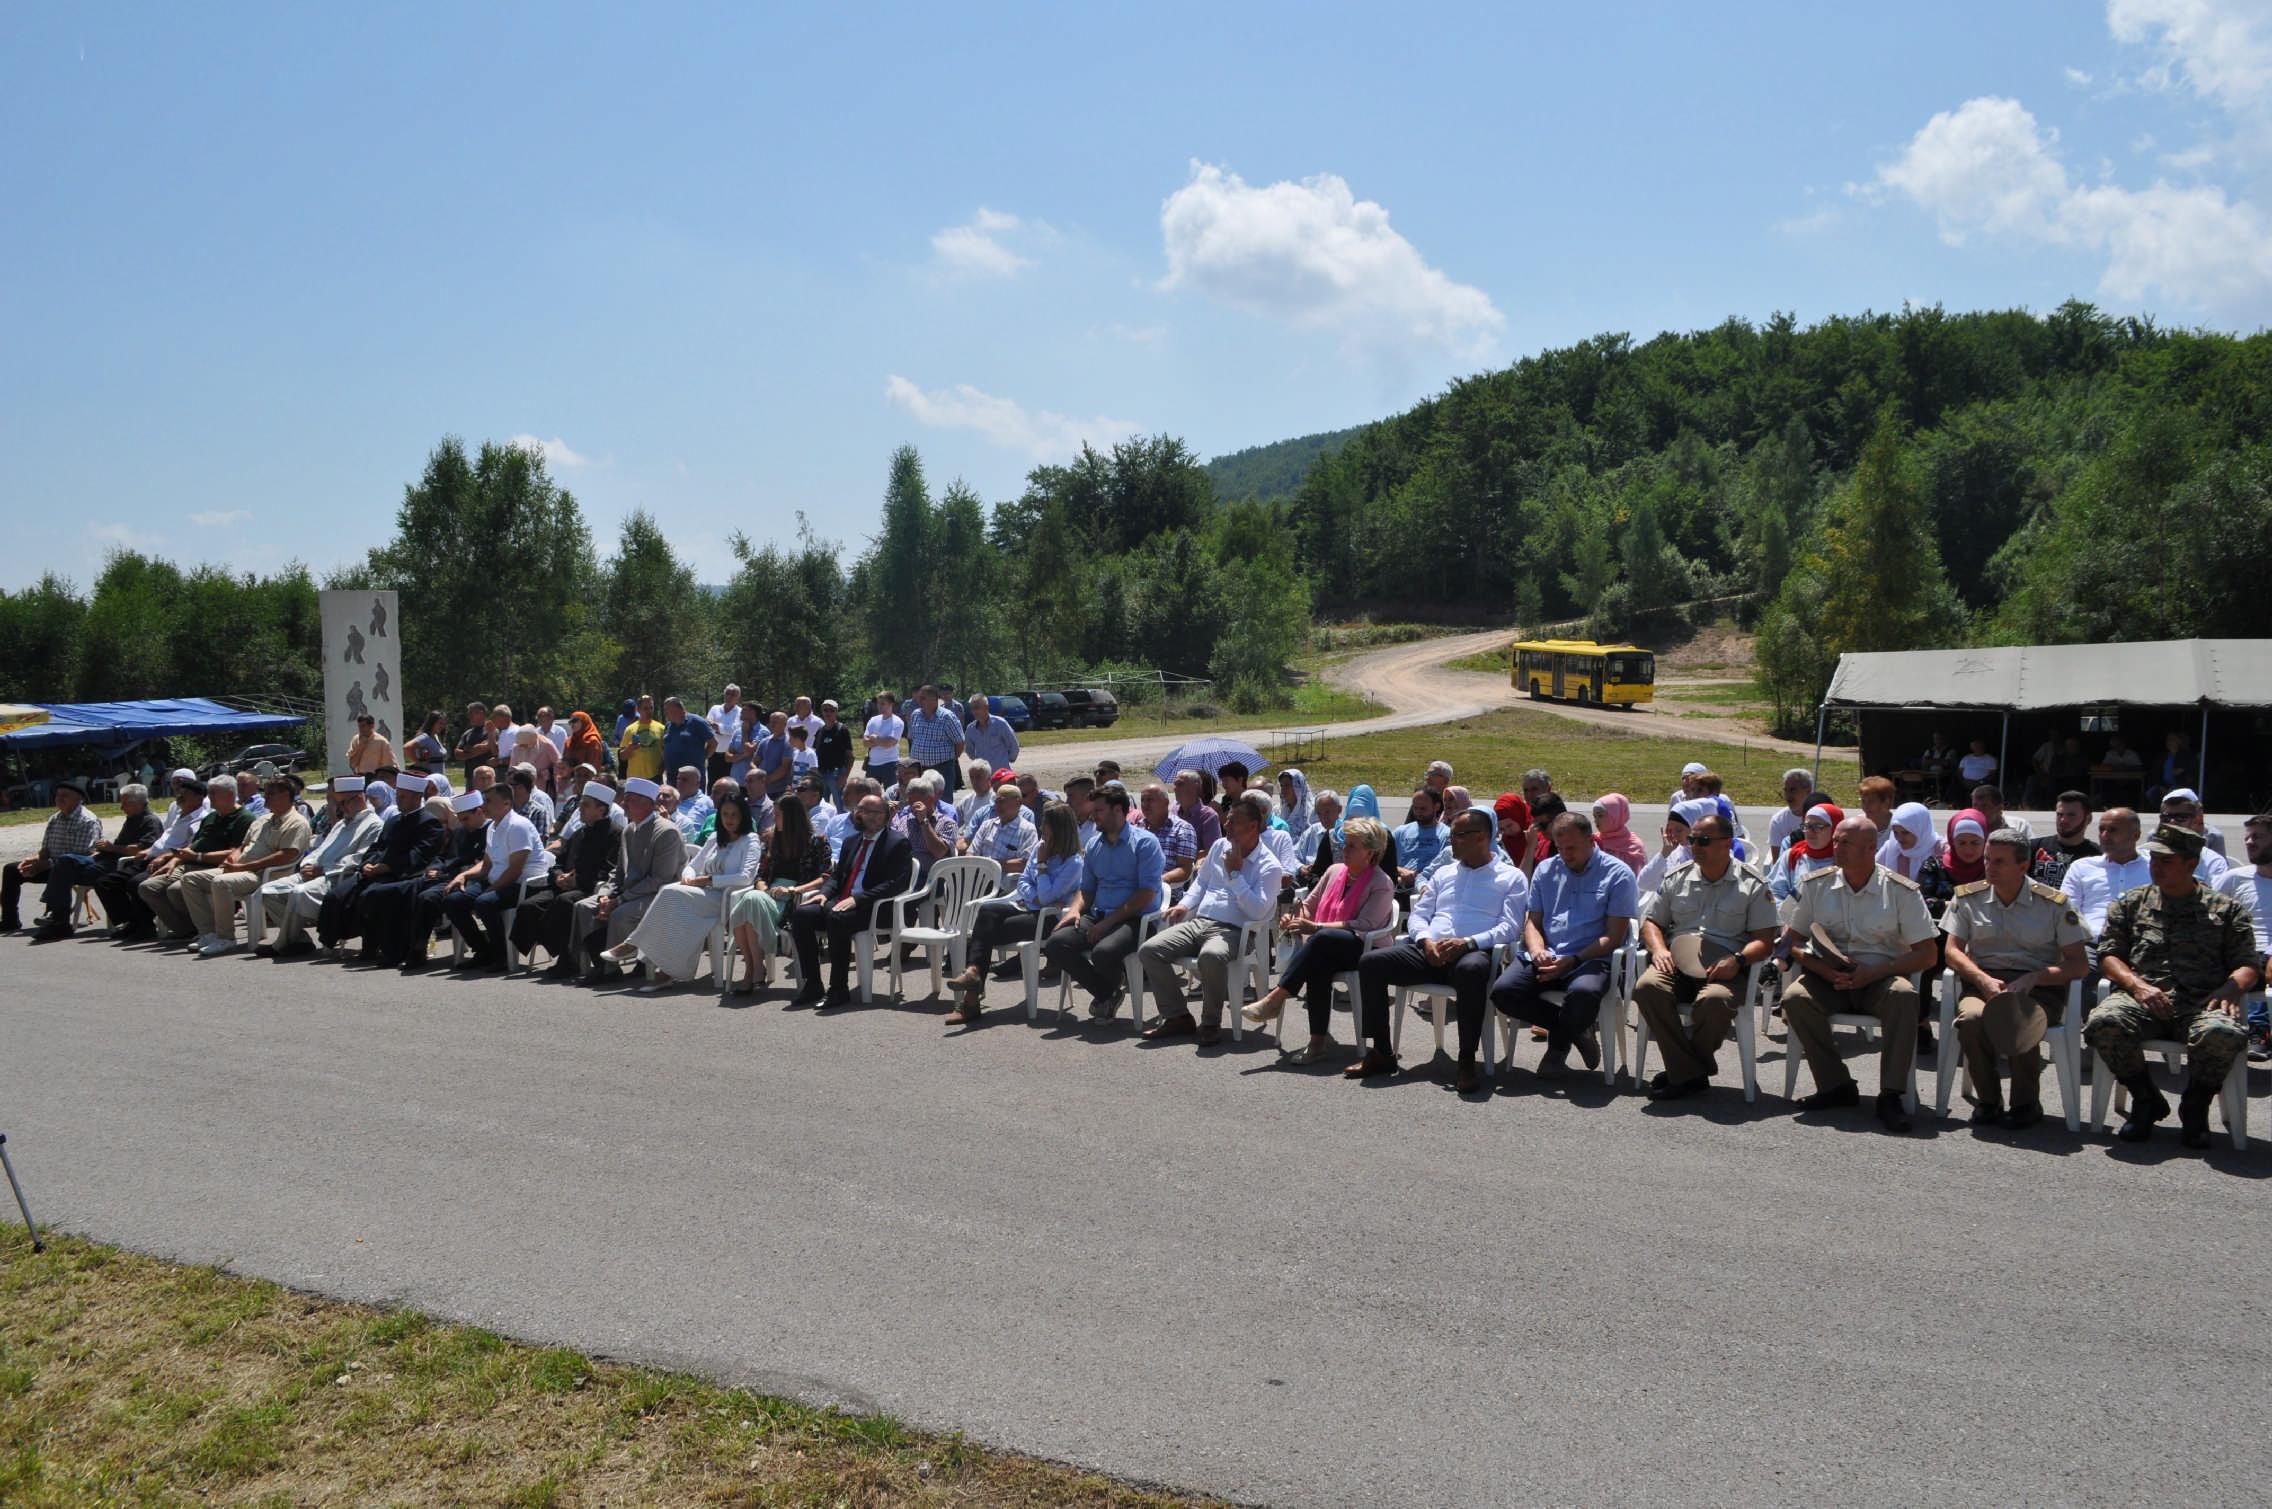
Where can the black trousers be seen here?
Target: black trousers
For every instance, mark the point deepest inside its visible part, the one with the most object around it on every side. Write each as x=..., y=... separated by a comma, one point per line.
x=1321, y=956
x=547, y=920
x=383, y=914
x=1404, y=964
x=339, y=916
x=806, y=925
x=12, y=882
x=122, y=903
x=1002, y=920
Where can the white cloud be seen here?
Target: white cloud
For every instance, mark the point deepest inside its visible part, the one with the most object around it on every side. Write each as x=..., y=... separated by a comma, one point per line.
x=1040, y=433
x=554, y=451
x=221, y=518
x=1984, y=166
x=1314, y=256
x=120, y=536
x=1137, y=335
x=977, y=246
x=2219, y=49
x=1810, y=224
x=1988, y=168
x=2078, y=78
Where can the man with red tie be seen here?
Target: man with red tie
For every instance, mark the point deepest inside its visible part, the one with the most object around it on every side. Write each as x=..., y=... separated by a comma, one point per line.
x=874, y=865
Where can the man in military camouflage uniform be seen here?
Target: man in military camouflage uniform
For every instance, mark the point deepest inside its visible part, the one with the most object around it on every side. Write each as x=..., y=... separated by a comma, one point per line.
x=2009, y=932
x=2180, y=957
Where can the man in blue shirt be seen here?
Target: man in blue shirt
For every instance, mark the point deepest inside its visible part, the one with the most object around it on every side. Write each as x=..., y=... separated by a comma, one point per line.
x=1581, y=905
x=1419, y=841
x=988, y=738
x=1120, y=885
x=770, y=764
x=686, y=740
x=935, y=739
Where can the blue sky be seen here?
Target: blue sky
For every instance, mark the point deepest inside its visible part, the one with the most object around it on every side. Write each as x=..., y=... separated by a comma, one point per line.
x=255, y=261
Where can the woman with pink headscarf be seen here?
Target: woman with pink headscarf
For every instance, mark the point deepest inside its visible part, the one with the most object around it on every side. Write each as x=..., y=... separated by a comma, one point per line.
x=1613, y=833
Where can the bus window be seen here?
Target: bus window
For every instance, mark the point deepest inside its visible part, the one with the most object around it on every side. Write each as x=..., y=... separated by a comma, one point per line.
x=1633, y=670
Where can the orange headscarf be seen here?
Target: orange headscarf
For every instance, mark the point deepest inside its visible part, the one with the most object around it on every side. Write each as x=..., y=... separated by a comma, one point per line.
x=584, y=746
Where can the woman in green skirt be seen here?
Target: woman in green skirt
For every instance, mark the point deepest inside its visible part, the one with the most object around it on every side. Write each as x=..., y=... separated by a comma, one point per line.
x=795, y=866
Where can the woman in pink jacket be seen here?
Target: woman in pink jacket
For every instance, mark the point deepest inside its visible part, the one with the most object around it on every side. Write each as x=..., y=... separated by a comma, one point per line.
x=1356, y=897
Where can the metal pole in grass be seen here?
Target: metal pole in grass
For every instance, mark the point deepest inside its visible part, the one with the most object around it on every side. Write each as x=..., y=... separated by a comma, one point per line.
x=37, y=1244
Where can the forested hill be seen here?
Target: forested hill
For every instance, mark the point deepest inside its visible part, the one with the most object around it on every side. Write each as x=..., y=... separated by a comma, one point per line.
x=1269, y=472
x=1883, y=480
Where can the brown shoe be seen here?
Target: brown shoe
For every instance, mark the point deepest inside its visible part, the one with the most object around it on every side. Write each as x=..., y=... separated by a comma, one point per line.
x=1209, y=1035
x=1467, y=1079
x=969, y=979
x=1372, y=1065
x=965, y=1015
x=1172, y=1026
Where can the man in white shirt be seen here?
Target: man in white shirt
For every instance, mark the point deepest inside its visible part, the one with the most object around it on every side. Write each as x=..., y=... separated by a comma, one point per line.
x=552, y=729
x=2251, y=886
x=291, y=902
x=1461, y=915
x=1237, y=884
x=2094, y=882
x=478, y=897
x=977, y=800
x=1978, y=764
x=801, y=715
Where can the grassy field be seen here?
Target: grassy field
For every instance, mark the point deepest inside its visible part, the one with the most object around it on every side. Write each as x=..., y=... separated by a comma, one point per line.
x=1313, y=702
x=1490, y=753
x=125, y=1380
x=109, y=812
x=1499, y=662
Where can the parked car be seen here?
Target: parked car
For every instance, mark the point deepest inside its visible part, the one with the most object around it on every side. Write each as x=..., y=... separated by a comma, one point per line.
x=1092, y=707
x=282, y=756
x=1013, y=711
x=1048, y=709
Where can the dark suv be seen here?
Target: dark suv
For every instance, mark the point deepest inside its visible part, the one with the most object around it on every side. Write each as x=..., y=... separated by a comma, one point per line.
x=1049, y=709
x=1092, y=708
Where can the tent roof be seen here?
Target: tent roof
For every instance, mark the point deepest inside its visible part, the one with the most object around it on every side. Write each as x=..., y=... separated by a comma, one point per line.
x=113, y=726
x=2025, y=678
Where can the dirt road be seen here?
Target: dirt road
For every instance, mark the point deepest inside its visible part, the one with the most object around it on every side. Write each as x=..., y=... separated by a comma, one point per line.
x=1415, y=681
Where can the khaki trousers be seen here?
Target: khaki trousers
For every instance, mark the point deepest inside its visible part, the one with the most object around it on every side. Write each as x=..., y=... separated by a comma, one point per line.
x=211, y=896
x=1688, y=1050
x=162, y=895
x=1809, y=1000
x=1980, y=1059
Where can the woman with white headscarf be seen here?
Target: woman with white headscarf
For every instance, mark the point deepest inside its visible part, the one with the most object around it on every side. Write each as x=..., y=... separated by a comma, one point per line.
x=1294, y=807
x=1910, y=842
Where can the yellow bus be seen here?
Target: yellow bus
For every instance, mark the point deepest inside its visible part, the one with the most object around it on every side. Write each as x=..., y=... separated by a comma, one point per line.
x=1578, y=670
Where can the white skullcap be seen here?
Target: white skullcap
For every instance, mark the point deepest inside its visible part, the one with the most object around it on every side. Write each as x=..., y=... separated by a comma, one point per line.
x=411, y=780
x=347, y=783
x=2185, y=794
x=639, y=785
x=184, y=774
x=1695, y=767
x=599, y=791
x=469, y=802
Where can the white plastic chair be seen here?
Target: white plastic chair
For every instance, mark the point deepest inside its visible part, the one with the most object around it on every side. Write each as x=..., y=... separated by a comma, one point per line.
x=1440, y=998
x=1145, y=928
x=720, y=942
x=1856, y=1021
x=1609, y=1025
x=2233, y=1096
x=1349, y=983
x=2062, y=1045
x=1029, y=961
x=939, y=914
x=1758, y=990
x=513, y=959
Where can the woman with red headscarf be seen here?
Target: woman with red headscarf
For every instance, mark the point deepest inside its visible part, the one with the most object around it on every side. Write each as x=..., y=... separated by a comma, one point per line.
x=584, y=744
x=1513, y=814
x=1809, y=853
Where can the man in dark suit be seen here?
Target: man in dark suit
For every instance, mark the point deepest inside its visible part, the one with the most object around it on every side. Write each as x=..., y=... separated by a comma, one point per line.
x=874, y=865
x=411, y=842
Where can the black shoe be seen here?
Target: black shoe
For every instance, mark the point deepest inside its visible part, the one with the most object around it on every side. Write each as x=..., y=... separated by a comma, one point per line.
x=835, y=999
x=560, y=968
x=2193, y=1116
x=10, y=925
x=1662, y=1088
x=1844, y=1093
x=1589, y=1047
x=1989, y=1113
x=2147, y=1106
x=1467, y=1079
x=1891, y=1113
x=811, y=995
x=1556, y=1065
x=49, y=932
x=2020, y=1118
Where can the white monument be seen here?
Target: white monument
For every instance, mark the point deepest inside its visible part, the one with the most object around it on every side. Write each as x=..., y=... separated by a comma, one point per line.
x=362, y=671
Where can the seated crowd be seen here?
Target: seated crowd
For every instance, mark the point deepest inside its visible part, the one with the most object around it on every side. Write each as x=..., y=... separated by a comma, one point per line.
x=648, y=851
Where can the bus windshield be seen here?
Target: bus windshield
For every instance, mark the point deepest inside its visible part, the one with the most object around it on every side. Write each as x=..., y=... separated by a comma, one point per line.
x=1633, y=670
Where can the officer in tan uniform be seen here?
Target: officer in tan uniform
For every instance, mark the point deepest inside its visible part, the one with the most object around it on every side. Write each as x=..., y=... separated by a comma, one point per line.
x=2009, y=932
x=1730, y=908
x=1877, y=920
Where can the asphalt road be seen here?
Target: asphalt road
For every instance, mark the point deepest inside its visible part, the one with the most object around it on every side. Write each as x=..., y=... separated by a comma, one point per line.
x=1181, y=1266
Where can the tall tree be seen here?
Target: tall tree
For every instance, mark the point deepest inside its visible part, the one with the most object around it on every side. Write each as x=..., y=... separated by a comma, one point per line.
x=903, y=611
x=1883, y=588
x=44, y=628
x=658, y=618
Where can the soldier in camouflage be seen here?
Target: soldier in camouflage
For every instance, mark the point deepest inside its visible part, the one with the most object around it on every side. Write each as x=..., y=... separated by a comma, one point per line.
x=2180, y=958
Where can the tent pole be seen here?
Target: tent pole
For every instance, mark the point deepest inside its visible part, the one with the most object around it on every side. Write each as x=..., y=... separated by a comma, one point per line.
x=1821, y=711
x=2201, y=774
x=2003, y=754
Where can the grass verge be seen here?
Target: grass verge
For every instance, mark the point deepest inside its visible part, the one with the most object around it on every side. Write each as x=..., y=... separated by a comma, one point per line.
x=1490, y=753
x=126, y=1380
x=1313, y=702
x=1499, y=662
x=109, y=812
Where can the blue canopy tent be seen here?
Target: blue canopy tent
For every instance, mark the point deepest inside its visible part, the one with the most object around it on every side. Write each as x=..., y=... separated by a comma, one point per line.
x=112, y=728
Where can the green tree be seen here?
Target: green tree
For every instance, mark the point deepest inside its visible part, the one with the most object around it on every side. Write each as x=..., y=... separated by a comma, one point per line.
x=903, y=611
x=660, y=620
x=44, y=628
x=785, y=622
x=1883, y=588
x=966, y=580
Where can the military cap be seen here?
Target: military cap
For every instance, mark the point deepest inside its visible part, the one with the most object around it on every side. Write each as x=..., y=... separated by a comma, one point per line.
x=2170, y=839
